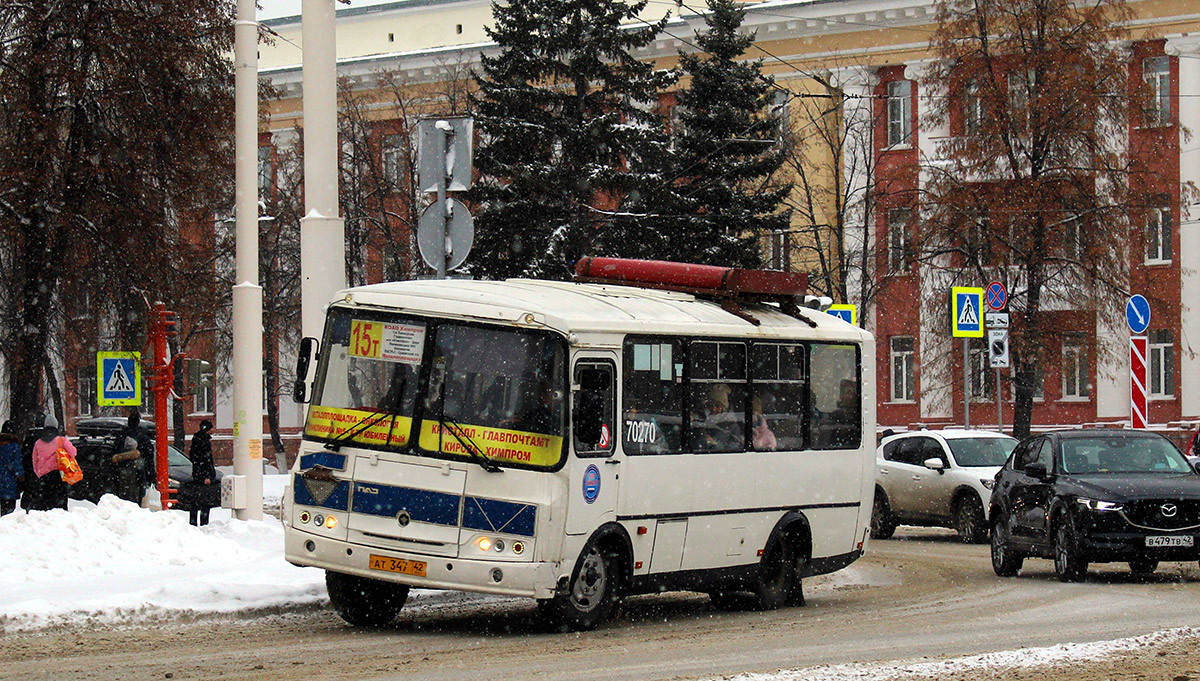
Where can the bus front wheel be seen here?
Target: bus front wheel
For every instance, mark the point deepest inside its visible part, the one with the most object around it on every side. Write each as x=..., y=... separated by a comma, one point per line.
x=365, y=602
x=593, y=592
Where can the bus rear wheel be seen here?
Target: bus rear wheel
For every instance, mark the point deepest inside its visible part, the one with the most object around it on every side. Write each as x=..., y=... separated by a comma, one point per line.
x=364, y=602
x=776, y=576
x=593, y=592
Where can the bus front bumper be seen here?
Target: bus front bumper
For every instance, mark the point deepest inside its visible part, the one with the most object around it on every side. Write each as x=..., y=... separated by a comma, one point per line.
x=533, y=580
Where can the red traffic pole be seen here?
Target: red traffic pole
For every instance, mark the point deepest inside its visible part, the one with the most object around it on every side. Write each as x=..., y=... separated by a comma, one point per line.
x=162, y=387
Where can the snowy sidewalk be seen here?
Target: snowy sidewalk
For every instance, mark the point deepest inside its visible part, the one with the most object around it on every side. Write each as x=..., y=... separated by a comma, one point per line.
x=117, y=563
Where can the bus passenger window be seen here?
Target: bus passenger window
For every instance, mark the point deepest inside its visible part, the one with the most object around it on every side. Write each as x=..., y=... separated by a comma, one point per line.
x=835, y=418
x=652, y=399
x=777, y=411
x=717, y=382
x=593, y=413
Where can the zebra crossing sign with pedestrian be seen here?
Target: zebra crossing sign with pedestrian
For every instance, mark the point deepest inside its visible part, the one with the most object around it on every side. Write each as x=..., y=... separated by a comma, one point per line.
x=118, y=379
x=966, y=312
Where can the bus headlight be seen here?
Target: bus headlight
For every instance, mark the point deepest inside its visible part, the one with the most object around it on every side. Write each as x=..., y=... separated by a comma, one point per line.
x=305, y=516
x=484, y=543
x=330, y=522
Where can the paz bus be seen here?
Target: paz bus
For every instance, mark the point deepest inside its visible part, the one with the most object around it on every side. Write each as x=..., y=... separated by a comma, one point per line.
x=649, y=426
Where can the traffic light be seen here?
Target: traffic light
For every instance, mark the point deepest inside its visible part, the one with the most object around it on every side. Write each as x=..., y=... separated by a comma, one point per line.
x=199, y=373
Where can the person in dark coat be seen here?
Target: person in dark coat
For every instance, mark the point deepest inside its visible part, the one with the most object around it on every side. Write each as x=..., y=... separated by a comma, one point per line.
x=199, y=494
x=12, y=471
x=134, y=473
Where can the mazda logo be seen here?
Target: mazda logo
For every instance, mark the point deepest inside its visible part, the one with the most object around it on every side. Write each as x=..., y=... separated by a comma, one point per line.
x=1169, y=510
x=404, y=518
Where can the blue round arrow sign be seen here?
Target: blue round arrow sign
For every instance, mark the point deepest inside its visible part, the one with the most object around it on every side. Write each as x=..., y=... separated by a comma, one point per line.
x=1137, y=313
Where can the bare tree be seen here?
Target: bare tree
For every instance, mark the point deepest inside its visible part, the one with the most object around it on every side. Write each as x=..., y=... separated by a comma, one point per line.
x=1038, y=179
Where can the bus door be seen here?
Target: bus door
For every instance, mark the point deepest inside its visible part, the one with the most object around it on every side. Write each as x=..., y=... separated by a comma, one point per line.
x=594, y=466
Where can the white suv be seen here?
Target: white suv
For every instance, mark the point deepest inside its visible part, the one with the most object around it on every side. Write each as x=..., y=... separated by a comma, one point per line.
x=942, y=478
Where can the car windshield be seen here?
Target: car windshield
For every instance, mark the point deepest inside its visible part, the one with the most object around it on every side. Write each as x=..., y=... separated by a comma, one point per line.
x=981, y=451
x=1121, y=455
x=176, y=457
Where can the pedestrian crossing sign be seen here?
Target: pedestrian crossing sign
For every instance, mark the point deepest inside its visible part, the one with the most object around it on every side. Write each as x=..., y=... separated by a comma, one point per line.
x=846, y=312
x=118, y=379
x=966, y=312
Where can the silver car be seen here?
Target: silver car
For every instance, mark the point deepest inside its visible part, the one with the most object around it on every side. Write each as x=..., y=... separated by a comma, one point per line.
x=940, y=478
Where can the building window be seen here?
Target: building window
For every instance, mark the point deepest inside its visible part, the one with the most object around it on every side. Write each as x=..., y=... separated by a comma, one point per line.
x=1072, y=238
x=1162, y=364
x=393, y=160
x=266, y=172
x=779, y=257
x=903, y=365
x=899, y=112
x=202, y=400
x=900, y=240
x=1075, y=372
x=1158, y=231
x=1156, y=71
x=982, y=376
x=973, y=109
x=781, y=112
x=85, y=389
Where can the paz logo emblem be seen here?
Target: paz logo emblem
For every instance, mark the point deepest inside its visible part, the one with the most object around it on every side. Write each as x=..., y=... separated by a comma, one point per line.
x=1169, y=510
x=404, y=518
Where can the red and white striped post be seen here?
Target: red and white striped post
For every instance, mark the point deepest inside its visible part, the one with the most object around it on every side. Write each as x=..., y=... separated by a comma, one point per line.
x=1138, y=376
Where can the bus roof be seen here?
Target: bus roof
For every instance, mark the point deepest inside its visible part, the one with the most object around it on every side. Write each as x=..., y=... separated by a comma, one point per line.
x=582, y=308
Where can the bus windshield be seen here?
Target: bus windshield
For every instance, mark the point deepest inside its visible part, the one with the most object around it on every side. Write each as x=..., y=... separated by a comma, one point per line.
x=477, y=392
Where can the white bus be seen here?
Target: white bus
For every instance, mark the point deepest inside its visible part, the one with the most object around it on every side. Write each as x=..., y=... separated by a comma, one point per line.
x=580, y=442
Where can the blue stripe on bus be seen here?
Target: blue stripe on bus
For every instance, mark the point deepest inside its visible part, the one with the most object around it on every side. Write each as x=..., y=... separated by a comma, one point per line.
x=493, y=515
x=337, y=500
x=424, y=506
x=327, y=459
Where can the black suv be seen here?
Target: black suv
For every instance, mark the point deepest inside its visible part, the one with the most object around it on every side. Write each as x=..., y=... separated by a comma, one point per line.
x=1095, y=496
x=95, y=446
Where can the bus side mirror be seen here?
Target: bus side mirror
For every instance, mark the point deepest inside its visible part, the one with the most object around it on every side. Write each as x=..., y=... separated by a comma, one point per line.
x=309, y=352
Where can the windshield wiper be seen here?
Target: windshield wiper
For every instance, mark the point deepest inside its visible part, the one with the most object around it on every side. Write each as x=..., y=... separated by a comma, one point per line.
x=461, y=435
x=390, y=408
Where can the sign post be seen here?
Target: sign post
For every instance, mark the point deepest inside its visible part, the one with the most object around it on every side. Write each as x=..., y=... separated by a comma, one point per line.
x=1137, y=315
x=997, y=299
x=966, y=322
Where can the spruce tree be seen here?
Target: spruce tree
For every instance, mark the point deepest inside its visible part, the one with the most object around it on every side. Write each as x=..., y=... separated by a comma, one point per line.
x=568, y=123
x=723, y=192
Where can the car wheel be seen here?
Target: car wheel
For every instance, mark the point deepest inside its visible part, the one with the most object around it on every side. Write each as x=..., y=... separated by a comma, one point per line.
x=883, y=523
x=1069, y=564
x=364, y=602
x=593, y=592
x=968, y=520
x=1005, y=561
x=776, y=575
x=1144, y=566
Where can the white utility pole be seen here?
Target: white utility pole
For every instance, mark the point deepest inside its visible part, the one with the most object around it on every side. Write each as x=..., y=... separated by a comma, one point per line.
x=322, y=232
x=247, y=295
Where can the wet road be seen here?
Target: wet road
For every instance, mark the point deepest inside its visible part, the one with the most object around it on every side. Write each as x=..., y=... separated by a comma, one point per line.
x=920, y=594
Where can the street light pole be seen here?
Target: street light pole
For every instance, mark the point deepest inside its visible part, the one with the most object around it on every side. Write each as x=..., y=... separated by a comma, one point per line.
x=247, y=294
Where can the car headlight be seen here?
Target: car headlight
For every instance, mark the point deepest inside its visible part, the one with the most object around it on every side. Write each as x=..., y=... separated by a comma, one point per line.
x=988, y=484
x=1099, y=505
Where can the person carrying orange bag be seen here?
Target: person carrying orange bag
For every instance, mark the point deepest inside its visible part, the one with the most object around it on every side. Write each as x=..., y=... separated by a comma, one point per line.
x=49, y=487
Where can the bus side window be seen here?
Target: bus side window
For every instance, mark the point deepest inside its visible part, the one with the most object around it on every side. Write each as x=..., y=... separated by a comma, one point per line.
x=777, y=404
x=835, y=399
x=592, y=416
x=652, y=397
x=717, y=418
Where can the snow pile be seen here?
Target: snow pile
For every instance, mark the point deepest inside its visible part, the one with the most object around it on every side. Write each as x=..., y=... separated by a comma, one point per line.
x=116, y=563
x=1065, y=653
